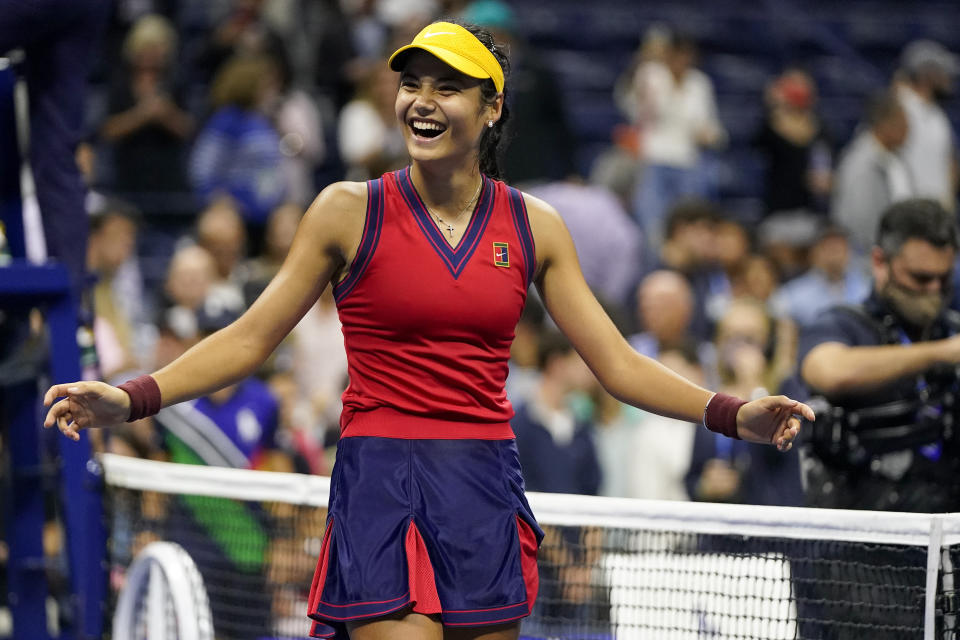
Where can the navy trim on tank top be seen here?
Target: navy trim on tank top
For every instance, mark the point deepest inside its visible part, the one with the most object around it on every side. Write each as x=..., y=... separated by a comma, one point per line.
x=455, y=259
x=522, y=224
x=368, y=244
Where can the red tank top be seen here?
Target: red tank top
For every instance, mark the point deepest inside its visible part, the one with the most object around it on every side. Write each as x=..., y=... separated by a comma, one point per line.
x=427, y=327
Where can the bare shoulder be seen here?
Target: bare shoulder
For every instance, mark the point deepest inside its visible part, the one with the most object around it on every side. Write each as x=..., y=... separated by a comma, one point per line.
x=541, y=212
x=550, y=233
x=337, y=215
x=340, y=201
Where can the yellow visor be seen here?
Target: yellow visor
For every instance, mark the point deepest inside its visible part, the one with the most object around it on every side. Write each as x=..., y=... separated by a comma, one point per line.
x=458, y=48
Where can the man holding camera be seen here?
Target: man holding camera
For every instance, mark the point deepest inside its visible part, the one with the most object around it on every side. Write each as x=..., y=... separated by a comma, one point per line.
x=887, y=371
x=883, y=375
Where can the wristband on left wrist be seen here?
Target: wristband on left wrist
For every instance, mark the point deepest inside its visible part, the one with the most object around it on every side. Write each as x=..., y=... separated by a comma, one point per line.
x=144, y=395
x=720, y=414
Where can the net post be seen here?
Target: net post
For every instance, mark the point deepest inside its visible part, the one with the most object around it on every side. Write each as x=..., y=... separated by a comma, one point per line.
x=933, y=573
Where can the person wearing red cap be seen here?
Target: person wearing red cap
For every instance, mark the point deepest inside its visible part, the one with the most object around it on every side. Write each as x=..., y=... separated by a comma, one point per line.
x=429, y=534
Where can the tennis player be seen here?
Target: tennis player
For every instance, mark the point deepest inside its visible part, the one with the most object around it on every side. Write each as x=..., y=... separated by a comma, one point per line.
x=429, y=533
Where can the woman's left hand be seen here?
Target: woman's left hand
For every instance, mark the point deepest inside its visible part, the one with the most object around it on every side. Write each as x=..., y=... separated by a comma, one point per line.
x=772, y=420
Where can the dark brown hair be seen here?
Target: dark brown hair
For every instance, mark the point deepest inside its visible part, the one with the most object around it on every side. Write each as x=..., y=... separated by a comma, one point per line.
x=493, y=141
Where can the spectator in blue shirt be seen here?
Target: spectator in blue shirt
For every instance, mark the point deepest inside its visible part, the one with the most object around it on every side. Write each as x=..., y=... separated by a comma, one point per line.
x=237, y=152
x=830, y=280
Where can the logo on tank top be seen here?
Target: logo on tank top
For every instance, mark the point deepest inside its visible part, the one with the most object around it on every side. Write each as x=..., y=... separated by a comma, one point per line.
x=501, y=254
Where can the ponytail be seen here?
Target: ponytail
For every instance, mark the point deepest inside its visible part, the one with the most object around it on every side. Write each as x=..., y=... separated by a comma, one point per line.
x=494, y=139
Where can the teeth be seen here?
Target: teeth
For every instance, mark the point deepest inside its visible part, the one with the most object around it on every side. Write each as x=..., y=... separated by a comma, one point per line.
x=428, y=126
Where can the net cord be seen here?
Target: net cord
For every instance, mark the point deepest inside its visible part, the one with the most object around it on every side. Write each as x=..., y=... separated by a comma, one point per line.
x=872, y=527
x=218, y=482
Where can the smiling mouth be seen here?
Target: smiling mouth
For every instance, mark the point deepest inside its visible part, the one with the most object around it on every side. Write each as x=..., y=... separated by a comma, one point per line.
x=426, y=129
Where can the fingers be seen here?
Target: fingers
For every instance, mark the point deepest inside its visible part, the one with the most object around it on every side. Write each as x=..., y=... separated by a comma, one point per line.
x=54, y=392
x=67, y=427
x=61, y=416
x=806, y=412
x=784, y=441
x=795, y=406
x=79, y=389
x=56, y=411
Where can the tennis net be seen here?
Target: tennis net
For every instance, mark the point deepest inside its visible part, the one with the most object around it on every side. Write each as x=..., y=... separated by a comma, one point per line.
x=609, y=568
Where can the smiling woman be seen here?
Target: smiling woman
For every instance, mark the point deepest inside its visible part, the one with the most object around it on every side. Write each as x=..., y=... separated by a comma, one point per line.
x=429, y=533
x=451, y=101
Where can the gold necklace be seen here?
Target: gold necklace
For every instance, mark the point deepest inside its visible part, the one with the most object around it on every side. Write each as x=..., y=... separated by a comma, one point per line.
x=450, y=228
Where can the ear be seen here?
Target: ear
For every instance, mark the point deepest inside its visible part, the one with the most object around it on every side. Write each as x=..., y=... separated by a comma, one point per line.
x=495, y=109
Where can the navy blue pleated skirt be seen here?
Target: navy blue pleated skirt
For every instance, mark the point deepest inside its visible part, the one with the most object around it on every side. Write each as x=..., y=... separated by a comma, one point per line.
x=439, y=527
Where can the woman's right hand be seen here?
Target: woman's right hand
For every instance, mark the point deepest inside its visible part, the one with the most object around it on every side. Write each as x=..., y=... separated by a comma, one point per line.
x=85, y=404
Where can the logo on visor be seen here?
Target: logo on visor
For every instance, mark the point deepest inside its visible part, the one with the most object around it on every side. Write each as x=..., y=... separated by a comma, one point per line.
x=439, y=33
x=501, y=254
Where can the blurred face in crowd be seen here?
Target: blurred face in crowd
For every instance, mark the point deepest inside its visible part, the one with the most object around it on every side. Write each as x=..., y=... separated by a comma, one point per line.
x=150, y=45
x=830, y=255
x=742, y=334
x=917, y=281
x=441, y=109
x=680, y=58
x=892, y=131
x=221, y=232
x=152, y=56
x=665, y=306
x=758, y=278
x=746, y=322
x=696, y=241
x=731, y=243
x=794, y=90
x=190, y=276
x=112, y=244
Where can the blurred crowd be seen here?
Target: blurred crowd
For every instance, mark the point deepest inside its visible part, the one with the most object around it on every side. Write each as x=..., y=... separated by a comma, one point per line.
x=221, y=120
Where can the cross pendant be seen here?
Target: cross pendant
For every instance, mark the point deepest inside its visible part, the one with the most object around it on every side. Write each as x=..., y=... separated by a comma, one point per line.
x=450, y=229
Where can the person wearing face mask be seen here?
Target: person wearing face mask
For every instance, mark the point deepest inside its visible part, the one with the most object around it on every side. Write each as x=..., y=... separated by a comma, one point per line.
x=888, y=368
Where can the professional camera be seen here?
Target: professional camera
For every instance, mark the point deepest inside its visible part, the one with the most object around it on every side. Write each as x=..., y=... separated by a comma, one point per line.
x=851, y=436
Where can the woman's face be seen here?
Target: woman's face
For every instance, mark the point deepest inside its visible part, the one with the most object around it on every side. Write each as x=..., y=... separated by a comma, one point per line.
x=441, y=110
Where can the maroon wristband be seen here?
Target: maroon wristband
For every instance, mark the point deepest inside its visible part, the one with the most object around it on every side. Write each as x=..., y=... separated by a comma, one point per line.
x=144, y=397
x=720, y=414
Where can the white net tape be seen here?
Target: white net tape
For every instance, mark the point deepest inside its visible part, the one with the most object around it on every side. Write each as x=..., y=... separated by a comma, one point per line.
x=676, y=569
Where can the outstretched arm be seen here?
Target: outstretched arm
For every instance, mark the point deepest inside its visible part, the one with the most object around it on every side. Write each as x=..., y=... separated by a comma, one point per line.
x=627, y=375
x=323, y=247
x=834, y=368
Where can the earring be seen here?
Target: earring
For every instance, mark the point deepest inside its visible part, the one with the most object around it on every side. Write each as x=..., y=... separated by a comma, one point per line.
x=490, y=124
